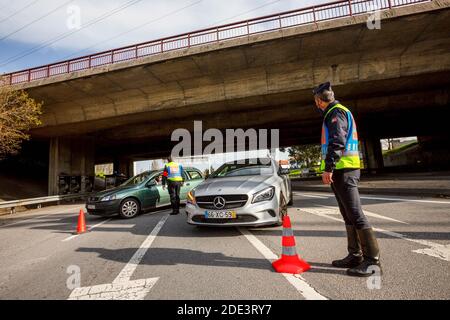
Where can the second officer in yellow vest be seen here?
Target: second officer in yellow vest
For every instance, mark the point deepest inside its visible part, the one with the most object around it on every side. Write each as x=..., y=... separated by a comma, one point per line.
x=173, y=177
x=341, y=166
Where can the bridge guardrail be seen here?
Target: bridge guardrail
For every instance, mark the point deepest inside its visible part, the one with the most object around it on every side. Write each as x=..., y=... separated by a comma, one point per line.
x=13, y=204
x=288, y=19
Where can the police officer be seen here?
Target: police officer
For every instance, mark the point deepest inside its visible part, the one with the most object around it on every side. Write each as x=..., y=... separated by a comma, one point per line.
x=173, y=177
x=341, y=166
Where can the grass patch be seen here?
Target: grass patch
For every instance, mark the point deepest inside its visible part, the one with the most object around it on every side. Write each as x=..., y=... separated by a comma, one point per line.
x=400, y=149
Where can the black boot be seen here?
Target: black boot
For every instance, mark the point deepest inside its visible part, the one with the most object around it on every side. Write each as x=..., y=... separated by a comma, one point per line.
x=371, y=254
x=354, y=256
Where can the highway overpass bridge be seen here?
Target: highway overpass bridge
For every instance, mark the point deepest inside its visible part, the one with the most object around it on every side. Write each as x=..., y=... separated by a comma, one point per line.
x=122, y=105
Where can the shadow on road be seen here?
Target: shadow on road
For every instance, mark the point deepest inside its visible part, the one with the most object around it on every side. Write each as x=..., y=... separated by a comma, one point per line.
x=171, y=256
x=319, y=267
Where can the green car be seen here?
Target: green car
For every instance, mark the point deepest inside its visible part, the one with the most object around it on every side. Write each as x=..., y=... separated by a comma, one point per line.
x=139, y=193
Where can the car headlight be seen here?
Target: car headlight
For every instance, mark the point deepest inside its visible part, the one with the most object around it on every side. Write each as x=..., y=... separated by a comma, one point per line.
x=191, y=197
x=109, y=198
x=264, y=195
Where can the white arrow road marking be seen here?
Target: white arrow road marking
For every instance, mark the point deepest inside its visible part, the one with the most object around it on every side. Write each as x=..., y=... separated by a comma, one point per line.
x=122, y=288
x=436, y=250
x=308, y=292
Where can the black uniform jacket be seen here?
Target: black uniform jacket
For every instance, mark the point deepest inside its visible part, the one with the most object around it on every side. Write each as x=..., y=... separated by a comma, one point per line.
x=337, y=124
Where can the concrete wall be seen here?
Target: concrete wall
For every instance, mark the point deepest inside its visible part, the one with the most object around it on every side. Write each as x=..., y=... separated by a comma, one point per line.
x=431, y=153
x=69, y=156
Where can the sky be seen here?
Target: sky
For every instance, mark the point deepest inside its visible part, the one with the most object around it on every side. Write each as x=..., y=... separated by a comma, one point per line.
x=38, y=32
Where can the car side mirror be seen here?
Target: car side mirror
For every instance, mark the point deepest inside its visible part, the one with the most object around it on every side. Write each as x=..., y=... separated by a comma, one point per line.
x=284, y=171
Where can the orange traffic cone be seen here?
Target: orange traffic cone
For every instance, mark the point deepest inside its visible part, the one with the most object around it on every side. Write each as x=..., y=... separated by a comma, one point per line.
x=289, y=261
x=81, y=228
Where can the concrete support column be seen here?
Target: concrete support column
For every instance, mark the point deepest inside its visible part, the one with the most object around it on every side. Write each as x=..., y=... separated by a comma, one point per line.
x=373, y=154
x=53, y=167
x=130, y=168
x=72, y=157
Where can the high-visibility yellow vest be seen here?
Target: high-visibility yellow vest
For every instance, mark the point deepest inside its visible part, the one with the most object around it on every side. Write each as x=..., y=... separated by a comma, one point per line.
x=350, y=158
x=174, y=171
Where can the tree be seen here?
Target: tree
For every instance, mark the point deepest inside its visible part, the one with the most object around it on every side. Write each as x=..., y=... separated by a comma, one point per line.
x=310, y=154
x=18, y=114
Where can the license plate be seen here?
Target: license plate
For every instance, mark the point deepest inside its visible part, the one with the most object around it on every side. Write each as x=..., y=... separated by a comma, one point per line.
x=91, y=206
x=220, y=214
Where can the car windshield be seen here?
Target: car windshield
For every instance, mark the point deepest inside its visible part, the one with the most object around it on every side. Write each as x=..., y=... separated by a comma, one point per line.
x=249, y=168
x=137, y=179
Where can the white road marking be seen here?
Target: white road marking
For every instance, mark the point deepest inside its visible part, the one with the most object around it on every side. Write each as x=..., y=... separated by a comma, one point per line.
x=441, y=252
x=122, y=288
x=436, y=250
x=329, y=195
x=36, y=217
x=90, y=228
x=308, y=292
x=406, y=200
x=70, y=238
x=379, y=216
x=367, y=213
x=128, y=270
x=310, y=195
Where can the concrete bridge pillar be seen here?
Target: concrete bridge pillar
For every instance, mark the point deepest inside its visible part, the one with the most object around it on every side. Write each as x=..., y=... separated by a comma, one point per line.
x=373, y=155
x=72, y=157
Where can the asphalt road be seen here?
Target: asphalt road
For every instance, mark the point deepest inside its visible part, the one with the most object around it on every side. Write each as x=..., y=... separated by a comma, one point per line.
x=157, y=256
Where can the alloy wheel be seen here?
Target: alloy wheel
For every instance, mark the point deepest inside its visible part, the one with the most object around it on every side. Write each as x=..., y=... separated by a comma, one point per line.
x=129, y=208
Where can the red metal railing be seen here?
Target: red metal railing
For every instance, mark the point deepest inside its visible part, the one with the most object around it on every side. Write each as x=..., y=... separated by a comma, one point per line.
x=314, y=14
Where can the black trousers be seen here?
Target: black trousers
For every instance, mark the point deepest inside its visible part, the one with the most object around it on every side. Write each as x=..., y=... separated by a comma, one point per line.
x=174, y=192
x=345, y=188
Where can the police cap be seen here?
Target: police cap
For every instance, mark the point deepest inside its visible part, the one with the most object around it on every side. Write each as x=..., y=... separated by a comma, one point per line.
x=322, y=87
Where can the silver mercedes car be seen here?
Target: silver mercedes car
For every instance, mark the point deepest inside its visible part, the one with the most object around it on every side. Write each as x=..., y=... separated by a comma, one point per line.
x=250, y=192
